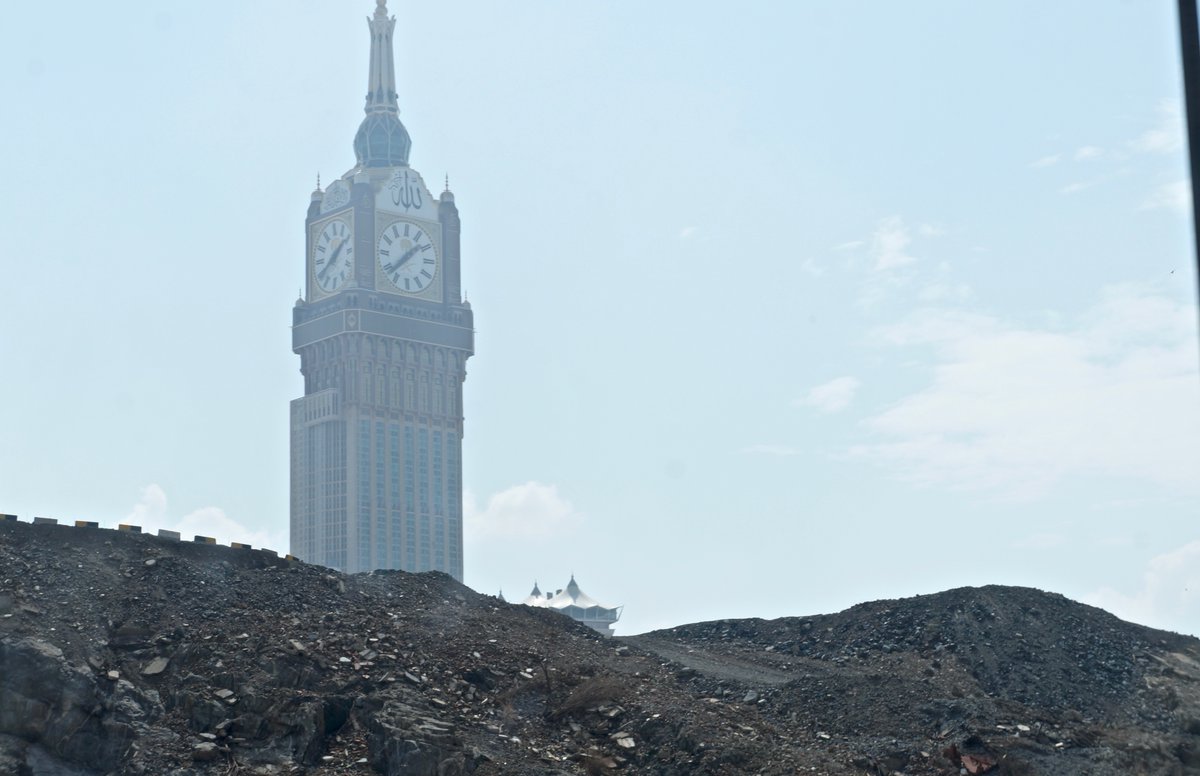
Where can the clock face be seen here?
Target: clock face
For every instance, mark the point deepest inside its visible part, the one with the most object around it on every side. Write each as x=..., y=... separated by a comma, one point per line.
x=333, y=255
x=407, y=257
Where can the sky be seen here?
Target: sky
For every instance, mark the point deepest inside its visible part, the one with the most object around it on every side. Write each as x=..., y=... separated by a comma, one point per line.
x=780, y=306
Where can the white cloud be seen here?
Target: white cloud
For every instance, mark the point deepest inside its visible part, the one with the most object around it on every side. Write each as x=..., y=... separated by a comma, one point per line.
x=1046, y=161
x=781, y=451
x=833, y=396
x=687, y=232
x=1014, y=408
x=849, y=246
x=1169, y=597
x=151, y=514
x=529, y=511
x=889, y=244
x=151, y=510
x=1167, y=136
x=1175, y=196
x=1084, y=153
x=894, y=273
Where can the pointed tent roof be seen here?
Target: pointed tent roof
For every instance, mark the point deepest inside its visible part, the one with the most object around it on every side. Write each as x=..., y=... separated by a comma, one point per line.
x=535, y=597
x=573, y=595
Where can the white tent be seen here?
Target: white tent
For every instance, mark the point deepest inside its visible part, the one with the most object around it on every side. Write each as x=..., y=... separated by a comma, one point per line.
x=577, y=605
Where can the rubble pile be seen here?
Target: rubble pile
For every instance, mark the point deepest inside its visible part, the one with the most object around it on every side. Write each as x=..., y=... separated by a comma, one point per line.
x=122, y=653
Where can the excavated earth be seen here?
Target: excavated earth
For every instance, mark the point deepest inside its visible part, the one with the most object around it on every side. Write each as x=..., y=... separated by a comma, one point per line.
x=123, y=653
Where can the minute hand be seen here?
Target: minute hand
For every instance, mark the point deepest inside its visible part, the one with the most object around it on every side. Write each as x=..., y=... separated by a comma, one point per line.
x=332, y=259
x=404, y=257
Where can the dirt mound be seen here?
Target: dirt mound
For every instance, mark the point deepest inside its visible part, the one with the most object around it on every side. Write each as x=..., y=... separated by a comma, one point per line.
x=1022, y=644
x=1025, y=676
x=124, y=653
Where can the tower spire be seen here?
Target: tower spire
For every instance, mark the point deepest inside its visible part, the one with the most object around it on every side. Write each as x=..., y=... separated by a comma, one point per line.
x=381, y=83
x=382, y=141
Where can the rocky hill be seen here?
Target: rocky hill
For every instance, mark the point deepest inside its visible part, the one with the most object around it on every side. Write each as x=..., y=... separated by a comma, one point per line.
x=123, y=653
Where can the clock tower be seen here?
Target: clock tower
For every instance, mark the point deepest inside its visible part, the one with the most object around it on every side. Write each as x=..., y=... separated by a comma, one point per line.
x=383, y=336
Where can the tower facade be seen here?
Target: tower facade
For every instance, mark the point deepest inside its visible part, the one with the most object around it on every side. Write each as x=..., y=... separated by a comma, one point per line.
x=383, y=336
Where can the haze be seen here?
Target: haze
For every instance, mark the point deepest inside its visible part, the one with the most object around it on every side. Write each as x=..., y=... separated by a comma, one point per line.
x=780, y=307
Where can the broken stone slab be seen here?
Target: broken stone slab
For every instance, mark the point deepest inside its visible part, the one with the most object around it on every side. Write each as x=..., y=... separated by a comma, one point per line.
x=156, y=666
x=205, y=752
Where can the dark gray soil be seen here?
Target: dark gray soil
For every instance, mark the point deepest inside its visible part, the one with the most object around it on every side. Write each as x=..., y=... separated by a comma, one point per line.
x=129, y=654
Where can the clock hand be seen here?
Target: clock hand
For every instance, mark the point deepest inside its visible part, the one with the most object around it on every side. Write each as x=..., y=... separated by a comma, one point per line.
x=404, y=257
x=332, y=259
